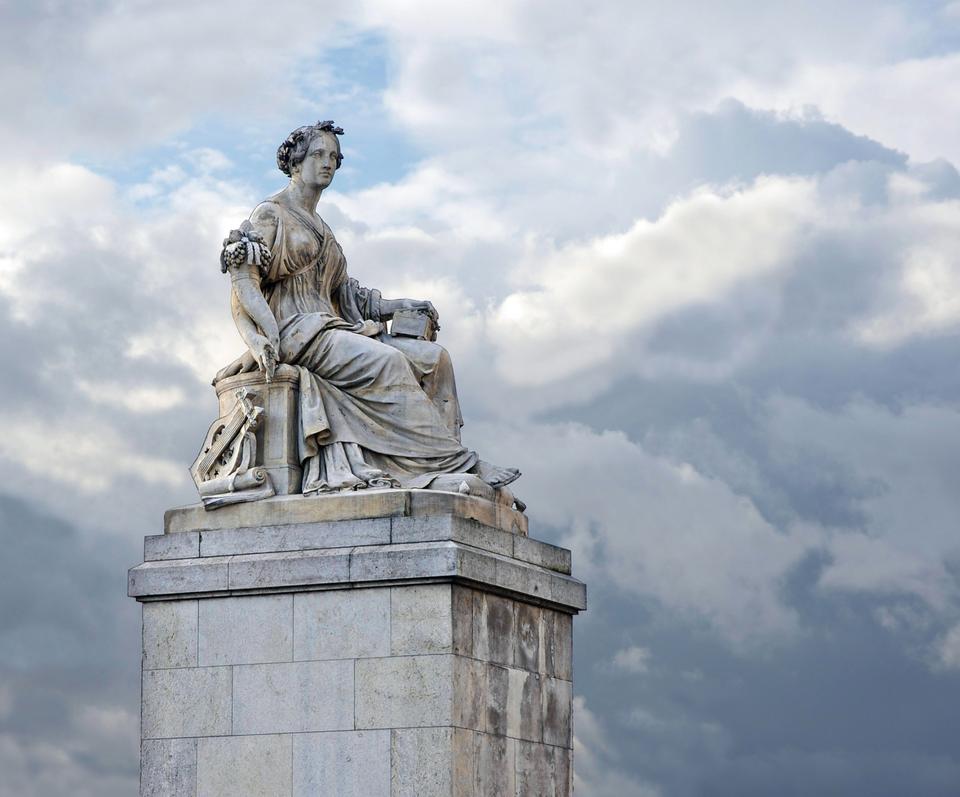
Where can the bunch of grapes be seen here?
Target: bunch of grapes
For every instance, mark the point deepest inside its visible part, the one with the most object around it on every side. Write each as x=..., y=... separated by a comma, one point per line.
x=243, y=247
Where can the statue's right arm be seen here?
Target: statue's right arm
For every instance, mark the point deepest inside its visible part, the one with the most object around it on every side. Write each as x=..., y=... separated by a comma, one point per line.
x=251, y=313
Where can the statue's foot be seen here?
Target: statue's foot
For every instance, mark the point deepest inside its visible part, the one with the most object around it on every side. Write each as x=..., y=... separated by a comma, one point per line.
x=495, y=475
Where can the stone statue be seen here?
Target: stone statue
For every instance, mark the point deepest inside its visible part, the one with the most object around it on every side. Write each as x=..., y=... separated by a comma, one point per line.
x=326, y=399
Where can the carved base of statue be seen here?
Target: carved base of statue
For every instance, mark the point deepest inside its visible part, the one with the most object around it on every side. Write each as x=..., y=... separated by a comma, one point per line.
x=258, y=432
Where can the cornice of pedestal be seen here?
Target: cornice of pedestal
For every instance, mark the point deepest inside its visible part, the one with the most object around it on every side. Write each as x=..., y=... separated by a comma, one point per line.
x=394, y=537
x=298, y=509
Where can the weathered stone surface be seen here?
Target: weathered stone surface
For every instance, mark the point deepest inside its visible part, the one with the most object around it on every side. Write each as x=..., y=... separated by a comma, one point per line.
x=462, y=620
x=404, y=692
x=341, y=624
x=556, y=645
x=557, y=697
x=168, y=768
x=251, y=766
x=360, y=565
x=169, y=634
x=246, y=630
x=292, y=569
x=421, y=619
x=186, y=702
x=498, y=689
x=524, y=712
x=178, y=577
x=403, y=561
x=288, y=510
x=427, y=502
x=527, y=637
x=432, y=528
x=496, y=761
x=493, y=628
x=543, y=554
x=295, y=537
x=538, y=772
x=406, y=667
x=171, y=546
x=470, y=693
x=422, y=762
x=293, y=697
x=345, y=764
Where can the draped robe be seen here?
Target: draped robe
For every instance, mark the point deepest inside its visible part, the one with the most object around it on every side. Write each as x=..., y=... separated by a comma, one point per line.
x=365, y=419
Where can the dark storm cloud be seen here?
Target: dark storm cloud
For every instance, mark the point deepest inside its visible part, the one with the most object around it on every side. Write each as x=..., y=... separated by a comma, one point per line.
x=844, y=709
x=69, y=653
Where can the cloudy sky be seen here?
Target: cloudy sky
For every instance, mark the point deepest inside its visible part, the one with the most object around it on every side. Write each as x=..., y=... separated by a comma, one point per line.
x=698, y=265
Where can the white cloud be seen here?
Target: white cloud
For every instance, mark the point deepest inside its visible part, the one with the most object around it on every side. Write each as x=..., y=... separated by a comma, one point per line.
x=82, y=453
x=948, y=650
x=634, y=659
x=654, y=528
x=585, y=298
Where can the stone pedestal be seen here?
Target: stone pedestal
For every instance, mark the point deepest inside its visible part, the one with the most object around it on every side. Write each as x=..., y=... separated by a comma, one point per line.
x=380, y=644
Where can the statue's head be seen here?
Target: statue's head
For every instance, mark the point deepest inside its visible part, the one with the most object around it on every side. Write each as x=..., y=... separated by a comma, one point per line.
x=291, y=153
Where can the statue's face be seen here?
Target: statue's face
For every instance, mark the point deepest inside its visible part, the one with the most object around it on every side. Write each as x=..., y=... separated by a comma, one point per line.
x=320, y=162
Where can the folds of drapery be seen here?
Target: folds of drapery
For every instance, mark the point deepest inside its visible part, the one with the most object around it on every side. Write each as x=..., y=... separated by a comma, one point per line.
x=365, y=419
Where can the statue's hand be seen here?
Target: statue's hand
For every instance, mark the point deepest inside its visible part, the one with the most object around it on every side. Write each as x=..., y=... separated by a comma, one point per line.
x=369, y=329
x=423, y=306
x=266, y=354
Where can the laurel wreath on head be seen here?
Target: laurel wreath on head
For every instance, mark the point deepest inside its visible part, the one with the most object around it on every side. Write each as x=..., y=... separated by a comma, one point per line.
x=287, y=148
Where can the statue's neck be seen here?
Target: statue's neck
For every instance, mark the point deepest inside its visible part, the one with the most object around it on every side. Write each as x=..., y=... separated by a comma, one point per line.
x=303, y=196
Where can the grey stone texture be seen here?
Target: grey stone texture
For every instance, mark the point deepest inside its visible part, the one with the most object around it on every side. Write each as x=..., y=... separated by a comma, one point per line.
x=168, y=768
x=170, y=634
x=246, y=630
x=294, y=697
x=410, y=653
x=252, y=766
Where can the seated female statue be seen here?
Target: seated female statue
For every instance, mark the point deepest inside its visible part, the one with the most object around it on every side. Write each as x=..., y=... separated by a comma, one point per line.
x=375, y=409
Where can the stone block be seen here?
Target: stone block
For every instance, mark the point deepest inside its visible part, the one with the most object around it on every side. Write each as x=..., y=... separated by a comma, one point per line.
x=344, y=764
x=426, y=502
x=462, y=620
x=244, y=766
x=422, y=762
x=524, y=711
x=169, y=634
x=168, y=768
x=404, y=692
x=171, y=546
x=287, y=510
x=527, y=637
x=493, y=628
x=290, y=569
x=557, y=698
x=464, y=761
x=177, y=577
x=421, y=619
x=429, y=528
x=542, y=554
x=498, y=688
x=398, y=562
x=246, y=630
x=293, y=697
x=541, y=772
x=556, y=646
x=341, y=624
x=568, y=591
x=470, y=693
x=295, y=537
x=495, y=766
x=186, y=702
